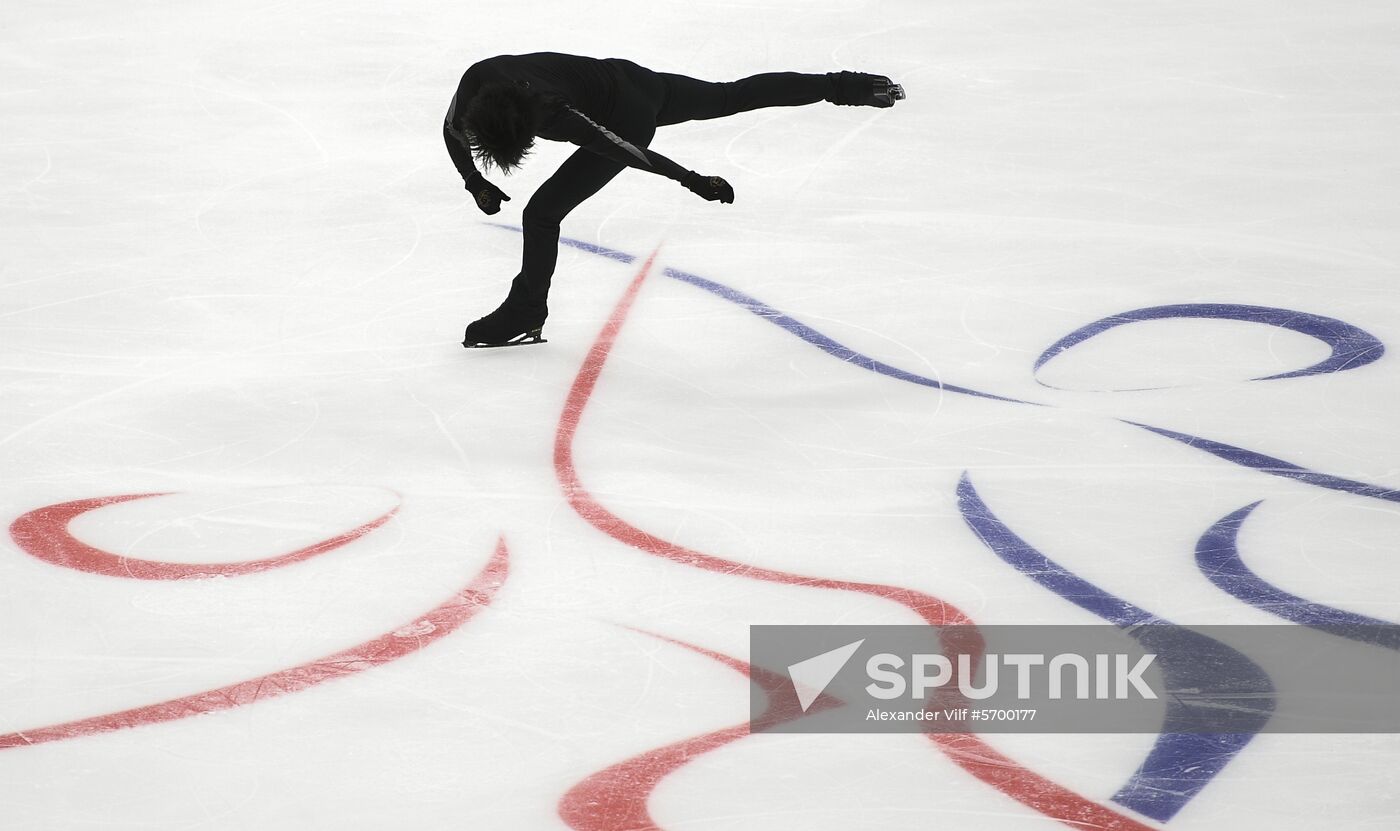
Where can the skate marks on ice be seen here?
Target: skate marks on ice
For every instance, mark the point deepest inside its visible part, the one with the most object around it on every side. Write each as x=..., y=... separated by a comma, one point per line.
x=1179, y=766
x=1355, y=346
x=1352, y=349
x=790, y=324
x=44, y=534
x=968, y=751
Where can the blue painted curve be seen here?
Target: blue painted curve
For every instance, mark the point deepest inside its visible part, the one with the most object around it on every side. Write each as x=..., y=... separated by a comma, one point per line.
x=827, y=344
x=1180, y=765
x=1274, y=467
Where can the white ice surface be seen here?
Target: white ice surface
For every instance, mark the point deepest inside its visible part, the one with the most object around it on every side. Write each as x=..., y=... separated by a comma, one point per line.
x=236, y=262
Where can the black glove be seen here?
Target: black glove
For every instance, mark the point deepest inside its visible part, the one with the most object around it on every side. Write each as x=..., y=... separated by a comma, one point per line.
x=709, y=188
x=488, y=196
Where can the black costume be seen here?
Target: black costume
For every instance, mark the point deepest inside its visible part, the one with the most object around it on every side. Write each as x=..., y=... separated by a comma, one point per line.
x=611, y=109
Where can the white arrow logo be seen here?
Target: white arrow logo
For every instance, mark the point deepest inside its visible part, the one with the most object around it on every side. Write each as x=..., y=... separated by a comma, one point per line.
x=810, y=677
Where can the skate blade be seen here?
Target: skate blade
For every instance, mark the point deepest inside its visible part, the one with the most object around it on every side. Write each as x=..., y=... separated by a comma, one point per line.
x=532, y=336
x=887, y=94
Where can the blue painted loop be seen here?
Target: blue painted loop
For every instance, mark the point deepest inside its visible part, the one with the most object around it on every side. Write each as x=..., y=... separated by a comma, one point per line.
x=1218, y=557
x=1351, y=347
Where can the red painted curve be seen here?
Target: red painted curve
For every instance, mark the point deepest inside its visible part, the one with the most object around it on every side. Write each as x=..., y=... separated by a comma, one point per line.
x=436, y=624
x=968, y=751
x=615, y=798
x=43, y=533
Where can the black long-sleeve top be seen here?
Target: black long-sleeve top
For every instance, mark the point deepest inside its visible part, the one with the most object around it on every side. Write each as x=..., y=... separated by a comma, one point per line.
x=578, y=91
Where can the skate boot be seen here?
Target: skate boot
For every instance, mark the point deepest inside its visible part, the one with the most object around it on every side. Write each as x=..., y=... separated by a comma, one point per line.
x=857, y=89
x=516, y=322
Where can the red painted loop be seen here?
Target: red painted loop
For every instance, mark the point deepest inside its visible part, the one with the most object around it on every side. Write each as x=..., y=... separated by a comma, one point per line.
x=43, y=533
x=968, y=751
x=432, y=626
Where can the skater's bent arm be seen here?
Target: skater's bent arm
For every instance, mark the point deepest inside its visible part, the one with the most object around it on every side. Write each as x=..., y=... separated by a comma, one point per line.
x=457, y=146
x=461, y=154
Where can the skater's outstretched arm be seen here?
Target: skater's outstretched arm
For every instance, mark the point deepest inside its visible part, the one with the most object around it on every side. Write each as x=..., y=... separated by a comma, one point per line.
x=573, y=126
x=577, y=128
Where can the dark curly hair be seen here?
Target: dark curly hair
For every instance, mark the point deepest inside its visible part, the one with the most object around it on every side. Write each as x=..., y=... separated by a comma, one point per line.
x=500, y=124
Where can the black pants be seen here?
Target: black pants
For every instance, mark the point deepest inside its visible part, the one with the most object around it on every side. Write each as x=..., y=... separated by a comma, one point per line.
x=645, y=100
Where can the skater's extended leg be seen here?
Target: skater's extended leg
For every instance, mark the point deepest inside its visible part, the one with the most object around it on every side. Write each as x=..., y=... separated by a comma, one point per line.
x=688, y=99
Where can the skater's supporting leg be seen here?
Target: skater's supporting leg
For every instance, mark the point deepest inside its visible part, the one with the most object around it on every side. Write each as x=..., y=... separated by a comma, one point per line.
x=525, y=309
x=582, y=175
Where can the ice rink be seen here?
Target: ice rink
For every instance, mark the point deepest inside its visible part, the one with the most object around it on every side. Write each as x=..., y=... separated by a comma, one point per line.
x=282, y=555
